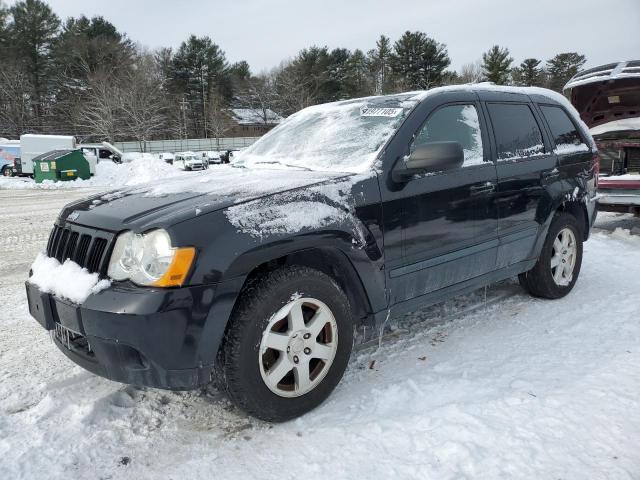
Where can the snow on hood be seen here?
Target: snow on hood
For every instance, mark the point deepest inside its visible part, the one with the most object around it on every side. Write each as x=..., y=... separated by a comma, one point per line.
x=68, y=280
x=177, y=198
x=323, y=205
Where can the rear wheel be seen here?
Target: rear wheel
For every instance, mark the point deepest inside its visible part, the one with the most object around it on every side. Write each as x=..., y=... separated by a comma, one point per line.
x=288, y=344
x=558, y=266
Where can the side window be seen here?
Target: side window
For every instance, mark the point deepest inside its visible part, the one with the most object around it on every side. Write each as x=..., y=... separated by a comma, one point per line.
x=563, y=129
x=455, y=123
x=517, y=132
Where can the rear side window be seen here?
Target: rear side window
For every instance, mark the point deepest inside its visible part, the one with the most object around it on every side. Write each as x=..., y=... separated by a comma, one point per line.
x=563, y=129
x=517, y=133
x=455, y=123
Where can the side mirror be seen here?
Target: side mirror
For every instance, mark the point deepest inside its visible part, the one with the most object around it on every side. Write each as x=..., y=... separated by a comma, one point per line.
x=429, y=157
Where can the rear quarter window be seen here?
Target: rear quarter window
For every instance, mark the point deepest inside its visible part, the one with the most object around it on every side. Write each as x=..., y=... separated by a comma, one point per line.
x=562, y=128
x=517, y=133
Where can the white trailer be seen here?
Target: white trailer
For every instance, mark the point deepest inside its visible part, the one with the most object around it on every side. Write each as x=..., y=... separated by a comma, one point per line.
x=33, y=145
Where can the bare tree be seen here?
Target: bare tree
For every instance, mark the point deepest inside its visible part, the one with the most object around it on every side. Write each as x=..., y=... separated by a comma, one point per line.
x=102, y=114
x=292, y=92
x=218, y=118
x=471, y=72
x=142, y=102
x=260, y=98
x=15, y=102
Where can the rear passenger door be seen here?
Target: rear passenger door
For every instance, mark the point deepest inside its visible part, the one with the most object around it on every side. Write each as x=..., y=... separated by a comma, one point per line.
x=525, y=164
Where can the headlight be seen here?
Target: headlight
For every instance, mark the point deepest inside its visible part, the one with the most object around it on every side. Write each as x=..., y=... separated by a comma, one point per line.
x=150, y=260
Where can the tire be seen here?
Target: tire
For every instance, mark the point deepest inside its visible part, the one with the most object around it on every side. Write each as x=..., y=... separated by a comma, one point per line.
x=547, y=281
x=245, y=360
x=7, y=171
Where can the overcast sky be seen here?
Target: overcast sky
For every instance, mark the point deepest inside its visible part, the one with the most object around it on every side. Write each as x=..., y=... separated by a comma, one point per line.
x=266, y=32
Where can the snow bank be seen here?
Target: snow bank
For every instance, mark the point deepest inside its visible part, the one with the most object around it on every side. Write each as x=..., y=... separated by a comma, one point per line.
x=141, y=169
x=68, y=280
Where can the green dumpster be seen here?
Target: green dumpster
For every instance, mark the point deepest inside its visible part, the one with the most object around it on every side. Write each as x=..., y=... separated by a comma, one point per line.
x=61, y=165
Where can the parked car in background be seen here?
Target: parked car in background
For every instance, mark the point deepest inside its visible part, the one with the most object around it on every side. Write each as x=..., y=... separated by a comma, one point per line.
x=190, y=161
x=167, y=157
x=102, y=151
x=212, y=157
x=6, y=167
x=608, y=100
x=227, y=156
x=261, y=279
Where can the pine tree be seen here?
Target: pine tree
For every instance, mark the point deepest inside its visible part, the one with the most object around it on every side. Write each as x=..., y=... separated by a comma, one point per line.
x=562, y=67
x=357, y=82
x=32, y=33
x=379, y=61
x=198, y=68
x=419, y=61
x=496, y=65
x=530, y=72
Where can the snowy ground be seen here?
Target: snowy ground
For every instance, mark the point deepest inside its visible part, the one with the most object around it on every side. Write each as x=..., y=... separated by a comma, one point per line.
x=514, y=388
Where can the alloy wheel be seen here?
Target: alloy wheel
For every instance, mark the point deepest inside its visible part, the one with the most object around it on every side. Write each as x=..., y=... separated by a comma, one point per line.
x=298, y=347
x=563, y=257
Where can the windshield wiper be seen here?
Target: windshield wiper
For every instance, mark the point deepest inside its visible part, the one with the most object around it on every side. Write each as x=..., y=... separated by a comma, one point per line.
x=276, y=162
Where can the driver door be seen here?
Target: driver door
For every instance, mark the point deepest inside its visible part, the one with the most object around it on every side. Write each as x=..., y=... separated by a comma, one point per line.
x=446, y=220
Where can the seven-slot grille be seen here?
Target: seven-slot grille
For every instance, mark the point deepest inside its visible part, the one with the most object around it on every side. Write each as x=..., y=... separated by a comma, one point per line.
x=86, y=250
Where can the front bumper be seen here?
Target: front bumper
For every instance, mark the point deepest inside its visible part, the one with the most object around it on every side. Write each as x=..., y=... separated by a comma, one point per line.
x=162, y=338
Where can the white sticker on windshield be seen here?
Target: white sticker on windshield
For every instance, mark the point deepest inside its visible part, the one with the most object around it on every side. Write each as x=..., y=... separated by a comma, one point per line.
x=379, y=112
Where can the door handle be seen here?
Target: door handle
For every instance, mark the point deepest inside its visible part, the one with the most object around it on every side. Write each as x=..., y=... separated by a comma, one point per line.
x=486, y=187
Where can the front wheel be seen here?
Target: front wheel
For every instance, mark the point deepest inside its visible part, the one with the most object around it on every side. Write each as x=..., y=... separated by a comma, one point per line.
x=7, y=171
x=558, y=266
x=288, y=344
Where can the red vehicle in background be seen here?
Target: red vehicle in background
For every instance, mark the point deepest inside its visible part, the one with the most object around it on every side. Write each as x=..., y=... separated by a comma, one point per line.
x=608, y=100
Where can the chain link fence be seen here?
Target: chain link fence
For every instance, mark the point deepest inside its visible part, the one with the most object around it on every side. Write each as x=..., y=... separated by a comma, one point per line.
x=185, y=145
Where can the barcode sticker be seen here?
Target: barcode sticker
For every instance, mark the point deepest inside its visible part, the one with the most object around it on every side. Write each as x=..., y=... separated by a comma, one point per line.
x=379, y=112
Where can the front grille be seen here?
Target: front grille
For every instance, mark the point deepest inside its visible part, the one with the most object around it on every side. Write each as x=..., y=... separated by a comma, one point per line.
x=88, y=251
x=611, y=162
x=633, y=160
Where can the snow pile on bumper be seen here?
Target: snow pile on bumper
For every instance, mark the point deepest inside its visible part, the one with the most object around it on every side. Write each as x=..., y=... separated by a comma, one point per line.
x=67, y=280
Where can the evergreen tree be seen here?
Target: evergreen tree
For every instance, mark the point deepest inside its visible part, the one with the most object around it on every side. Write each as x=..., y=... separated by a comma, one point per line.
x=198, y=69
x=357, y=81
x=496, y=64
x=562, y=67
x=87, y=45
x=32, y=33
x=379, y=61
x=530, y=72
x=419, y=61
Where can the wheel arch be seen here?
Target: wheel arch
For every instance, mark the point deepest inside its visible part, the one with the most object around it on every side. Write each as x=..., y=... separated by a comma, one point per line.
x=329, y=260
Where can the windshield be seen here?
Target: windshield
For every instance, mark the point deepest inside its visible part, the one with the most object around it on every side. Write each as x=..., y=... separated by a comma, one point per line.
x=343, y=136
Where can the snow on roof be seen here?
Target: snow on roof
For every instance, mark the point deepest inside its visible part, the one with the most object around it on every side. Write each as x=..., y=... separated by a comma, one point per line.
x=617, y=125
x=250, y=116
x=610, y=71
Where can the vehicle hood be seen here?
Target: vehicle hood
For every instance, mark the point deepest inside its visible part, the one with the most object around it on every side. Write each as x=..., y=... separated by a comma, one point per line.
x=169, y=201
x=607, y=106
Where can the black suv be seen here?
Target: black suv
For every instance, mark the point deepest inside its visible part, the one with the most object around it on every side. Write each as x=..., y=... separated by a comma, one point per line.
x=262, y=274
